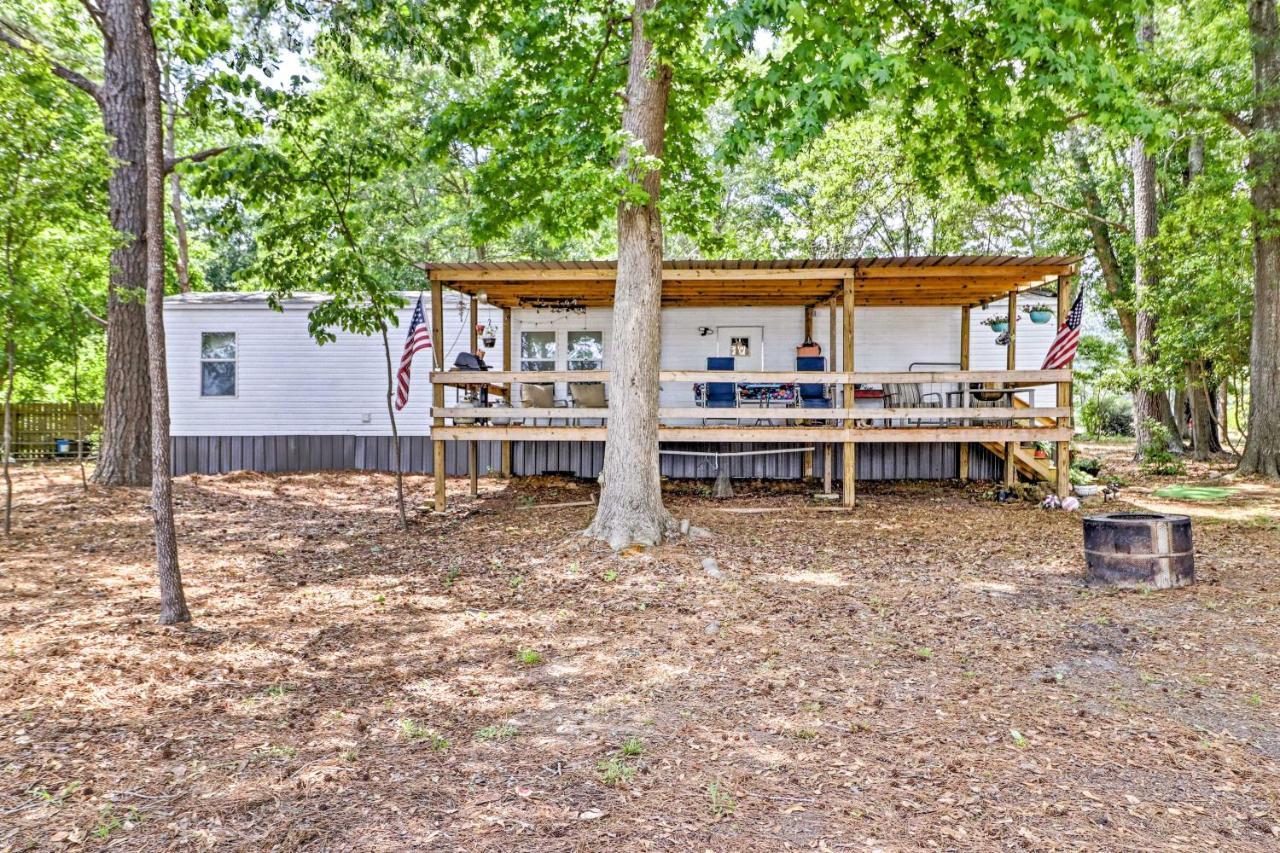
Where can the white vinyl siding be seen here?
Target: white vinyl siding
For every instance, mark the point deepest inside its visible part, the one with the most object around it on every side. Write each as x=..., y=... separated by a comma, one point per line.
x=286, y=384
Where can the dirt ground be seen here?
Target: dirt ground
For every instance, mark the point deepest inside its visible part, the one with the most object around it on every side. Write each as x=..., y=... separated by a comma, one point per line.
x=927, y=672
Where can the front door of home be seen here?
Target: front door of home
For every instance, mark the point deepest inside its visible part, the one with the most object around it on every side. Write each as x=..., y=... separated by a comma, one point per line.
x=744, y=343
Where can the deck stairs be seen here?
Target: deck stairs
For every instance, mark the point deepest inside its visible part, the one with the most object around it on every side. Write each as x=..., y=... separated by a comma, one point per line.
x=1024, y=459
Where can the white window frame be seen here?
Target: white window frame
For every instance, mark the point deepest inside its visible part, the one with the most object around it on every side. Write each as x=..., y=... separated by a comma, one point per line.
x=569, y=362
x=555, y=360
x=234, y=361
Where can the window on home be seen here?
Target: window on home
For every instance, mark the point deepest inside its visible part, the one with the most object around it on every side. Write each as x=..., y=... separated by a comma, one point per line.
x=537, y=350
x=586, y=350
x=218, y=364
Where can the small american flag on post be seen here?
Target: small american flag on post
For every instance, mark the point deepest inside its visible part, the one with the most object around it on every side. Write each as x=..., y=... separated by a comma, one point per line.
x=1063, y=350
x=418, y=339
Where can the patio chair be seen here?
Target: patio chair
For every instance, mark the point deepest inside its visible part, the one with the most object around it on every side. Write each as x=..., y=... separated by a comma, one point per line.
x=538, y=395
x=907, y=395
x=720, y=395
x=587, y=395
x=813, y=395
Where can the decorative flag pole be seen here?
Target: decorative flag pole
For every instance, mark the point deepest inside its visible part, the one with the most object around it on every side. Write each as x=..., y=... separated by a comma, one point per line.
x=1063, y=349
x=418, y=339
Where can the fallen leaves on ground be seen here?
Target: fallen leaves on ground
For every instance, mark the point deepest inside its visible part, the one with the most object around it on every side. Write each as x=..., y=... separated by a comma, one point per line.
x=927, y=671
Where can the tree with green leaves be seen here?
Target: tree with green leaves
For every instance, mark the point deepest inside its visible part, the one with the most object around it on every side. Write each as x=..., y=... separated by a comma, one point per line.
x=972, y=91
x=61, y=35
x=52, y=164
x=1262, y=130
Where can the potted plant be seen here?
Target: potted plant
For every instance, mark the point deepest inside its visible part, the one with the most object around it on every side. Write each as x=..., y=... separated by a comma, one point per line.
x=488, y=338
x=997, y=322
x=1039, y=313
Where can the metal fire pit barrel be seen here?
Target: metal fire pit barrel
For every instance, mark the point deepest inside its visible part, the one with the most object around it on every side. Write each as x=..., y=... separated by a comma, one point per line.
x=1137, y=549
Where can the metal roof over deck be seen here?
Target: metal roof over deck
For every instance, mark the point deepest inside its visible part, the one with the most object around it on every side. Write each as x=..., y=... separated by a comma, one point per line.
x=933, y=280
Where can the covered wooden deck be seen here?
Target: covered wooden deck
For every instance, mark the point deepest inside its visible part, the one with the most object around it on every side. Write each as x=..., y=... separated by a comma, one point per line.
x=963, y=282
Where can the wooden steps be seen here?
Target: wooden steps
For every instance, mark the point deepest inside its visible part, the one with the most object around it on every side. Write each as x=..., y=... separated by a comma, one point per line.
x=1026, y=463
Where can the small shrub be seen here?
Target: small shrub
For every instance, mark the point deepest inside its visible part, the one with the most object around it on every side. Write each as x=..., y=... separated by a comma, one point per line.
x=1157, y=458
x=415, y=731
x=615, y=771
x=1081, y=478
x=491, y=733
x=720, y=800
x=632, y=746
x=1087, y=464
x=1107, y=415
x=529, y=657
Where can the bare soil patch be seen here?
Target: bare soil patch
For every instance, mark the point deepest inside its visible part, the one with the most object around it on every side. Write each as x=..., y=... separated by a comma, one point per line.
x=925, y=672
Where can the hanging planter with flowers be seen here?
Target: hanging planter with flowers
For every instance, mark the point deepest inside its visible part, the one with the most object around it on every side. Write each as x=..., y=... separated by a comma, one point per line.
x=1039, y=313
x=997, y=322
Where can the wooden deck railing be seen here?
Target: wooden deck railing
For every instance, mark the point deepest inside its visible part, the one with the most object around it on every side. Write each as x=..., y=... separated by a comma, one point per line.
x=962, y=423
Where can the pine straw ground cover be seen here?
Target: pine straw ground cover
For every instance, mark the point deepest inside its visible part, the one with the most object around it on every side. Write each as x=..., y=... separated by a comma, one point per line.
x=927, y=672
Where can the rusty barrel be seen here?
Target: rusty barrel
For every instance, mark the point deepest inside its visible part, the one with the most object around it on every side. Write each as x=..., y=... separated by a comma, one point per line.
x=1139, y=549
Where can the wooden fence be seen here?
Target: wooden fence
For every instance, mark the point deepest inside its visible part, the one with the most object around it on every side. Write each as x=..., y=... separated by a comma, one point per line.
x=38, y=428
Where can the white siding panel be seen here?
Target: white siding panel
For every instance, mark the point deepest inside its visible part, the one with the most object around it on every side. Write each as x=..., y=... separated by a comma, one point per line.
x=289, y=385
x=286, y=383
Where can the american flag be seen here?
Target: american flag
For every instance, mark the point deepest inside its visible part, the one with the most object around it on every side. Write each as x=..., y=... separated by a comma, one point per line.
x=418, y=339
x=1063, y=350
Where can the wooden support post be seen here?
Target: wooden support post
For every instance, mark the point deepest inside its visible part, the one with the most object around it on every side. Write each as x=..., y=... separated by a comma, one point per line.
x=828, y=449
x=473, y=455
x=1062, y=457
x=437, y=391
x=850, y=449
x=1011, y=363
x=506, y=365
x=964, y=400
x=806, y=459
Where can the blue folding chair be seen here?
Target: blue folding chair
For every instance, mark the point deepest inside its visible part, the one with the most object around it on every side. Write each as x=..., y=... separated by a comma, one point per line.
x=720, y=395
x=813, y=395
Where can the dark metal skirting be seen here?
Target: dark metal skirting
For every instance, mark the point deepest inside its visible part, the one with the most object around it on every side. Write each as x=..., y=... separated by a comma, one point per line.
x=220, y=454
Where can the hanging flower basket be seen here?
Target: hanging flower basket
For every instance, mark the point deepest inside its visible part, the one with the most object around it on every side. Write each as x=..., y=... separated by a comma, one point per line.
x=1039, y=313
x=998, y=323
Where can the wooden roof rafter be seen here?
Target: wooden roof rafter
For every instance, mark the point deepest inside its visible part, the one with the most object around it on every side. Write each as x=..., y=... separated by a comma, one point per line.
x=934, y=280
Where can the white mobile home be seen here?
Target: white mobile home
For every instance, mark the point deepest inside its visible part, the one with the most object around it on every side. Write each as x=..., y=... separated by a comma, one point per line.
x=250, y=389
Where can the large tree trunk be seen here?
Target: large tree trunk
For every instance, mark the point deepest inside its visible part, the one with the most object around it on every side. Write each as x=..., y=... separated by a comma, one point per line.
x=1202, y=443
x=10, y=356
x=631, y=510
x=1262, y=445
x=1147, y=404
x=125, y=458
x=1113, y=277
x=173, y=603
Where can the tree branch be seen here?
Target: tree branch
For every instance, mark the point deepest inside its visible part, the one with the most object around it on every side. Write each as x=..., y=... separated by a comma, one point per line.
x=1084, y=214
x=88, y=313
x=198, y=157
x=1236, y=122
x=14, y=38
x=95, y=14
